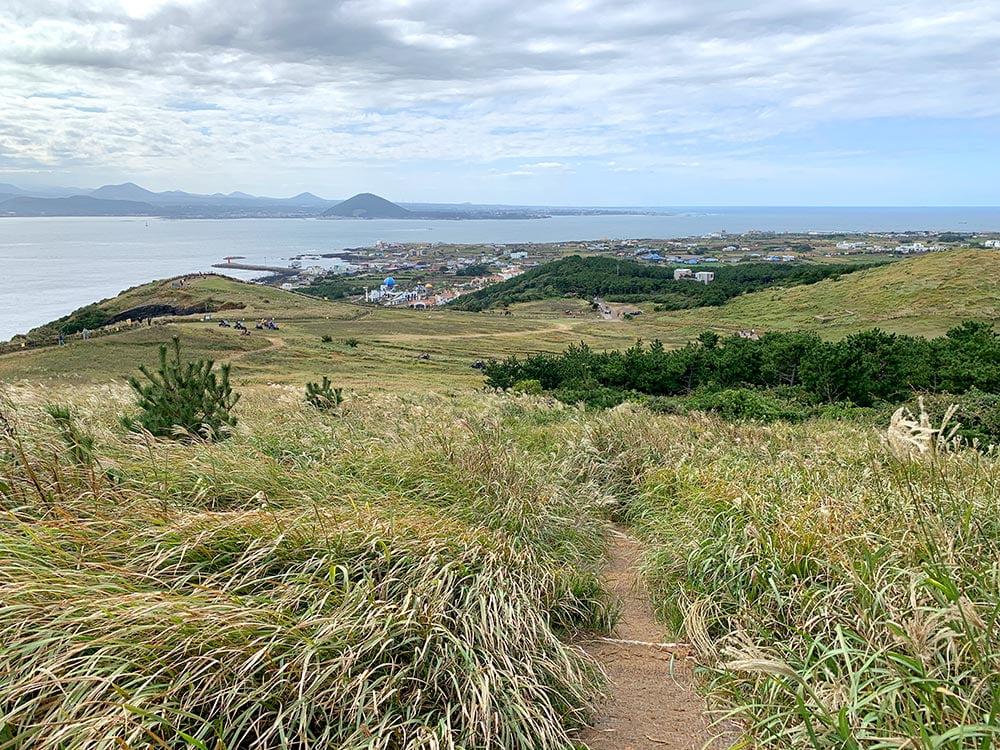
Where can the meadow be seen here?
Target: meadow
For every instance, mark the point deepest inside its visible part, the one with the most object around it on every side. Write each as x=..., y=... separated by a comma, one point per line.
x=413, y=571
x=400, y=575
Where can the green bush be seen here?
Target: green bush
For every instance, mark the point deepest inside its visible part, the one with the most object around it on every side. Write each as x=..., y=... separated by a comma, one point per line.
x=323, y=395
x=744, y=404
x=183, y=399
x=533, y=387
x=593, y=394
x=353, y=343
x=326, y=338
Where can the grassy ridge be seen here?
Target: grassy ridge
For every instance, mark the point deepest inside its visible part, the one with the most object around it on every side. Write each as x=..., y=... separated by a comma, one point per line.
x=918, y=295
x=394, y=578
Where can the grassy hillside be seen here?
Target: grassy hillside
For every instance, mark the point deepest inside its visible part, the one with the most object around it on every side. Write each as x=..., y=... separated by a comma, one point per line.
x=627, y=280
x=416, y=568
x=926, y=295
x=389, y=342
x=923, y=295
x=384, y=578
x=407, y=573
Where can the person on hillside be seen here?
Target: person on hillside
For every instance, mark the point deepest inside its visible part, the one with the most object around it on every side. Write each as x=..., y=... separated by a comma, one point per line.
x=85, y=333
x=61, y=340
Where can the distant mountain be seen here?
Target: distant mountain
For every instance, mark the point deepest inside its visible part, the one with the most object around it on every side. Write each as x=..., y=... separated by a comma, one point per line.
x=368, y=206
x=41, y=192
x=127, y=191
x=77, y=205
x=307, y=199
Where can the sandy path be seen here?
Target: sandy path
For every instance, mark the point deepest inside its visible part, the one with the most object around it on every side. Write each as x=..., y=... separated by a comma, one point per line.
x=652, y=702
x=276, y=343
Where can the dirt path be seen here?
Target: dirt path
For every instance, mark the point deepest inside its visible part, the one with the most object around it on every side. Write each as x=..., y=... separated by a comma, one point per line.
x=276, y=343
x=652, y=704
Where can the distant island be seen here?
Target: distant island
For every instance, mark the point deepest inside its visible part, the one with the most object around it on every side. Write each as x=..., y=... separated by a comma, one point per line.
x=129, y=199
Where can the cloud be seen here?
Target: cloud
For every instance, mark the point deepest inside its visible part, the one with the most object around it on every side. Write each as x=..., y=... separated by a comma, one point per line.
x=190, y=89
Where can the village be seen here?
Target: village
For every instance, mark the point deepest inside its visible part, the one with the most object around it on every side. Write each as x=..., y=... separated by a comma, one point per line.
x=427, y=275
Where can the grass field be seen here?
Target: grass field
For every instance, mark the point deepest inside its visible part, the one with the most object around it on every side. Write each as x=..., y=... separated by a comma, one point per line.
x=401, y=575
x=926, y=295
x=406, y=574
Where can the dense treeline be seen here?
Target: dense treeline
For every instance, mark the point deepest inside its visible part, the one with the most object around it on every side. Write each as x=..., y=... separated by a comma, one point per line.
x=335, y=287
x=866, y=369
x=627, y=280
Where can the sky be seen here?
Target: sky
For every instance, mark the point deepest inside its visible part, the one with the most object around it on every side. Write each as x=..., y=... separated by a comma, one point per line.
x=576, y=102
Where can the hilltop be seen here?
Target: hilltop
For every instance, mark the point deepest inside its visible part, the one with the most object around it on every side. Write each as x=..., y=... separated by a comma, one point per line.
x=368, y=206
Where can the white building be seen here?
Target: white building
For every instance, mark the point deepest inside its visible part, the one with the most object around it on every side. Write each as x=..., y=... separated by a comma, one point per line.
x=705, y=277
x=683, y=273
x=992, y=243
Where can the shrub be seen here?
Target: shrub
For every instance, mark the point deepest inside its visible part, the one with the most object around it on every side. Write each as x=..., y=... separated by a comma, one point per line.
x=182, y=399
x=323, y=396
x=533, y=387
x=977, y=413
x=353, y=343
x=743, y=404
x=326, y=338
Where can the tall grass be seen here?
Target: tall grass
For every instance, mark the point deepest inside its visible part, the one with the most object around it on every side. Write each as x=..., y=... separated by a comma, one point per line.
x=403, y=575
x=843, y=590
x=399, y=576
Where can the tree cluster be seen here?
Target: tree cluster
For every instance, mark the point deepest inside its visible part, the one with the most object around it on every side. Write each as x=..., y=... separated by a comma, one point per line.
x=865, y=369
x=628, y=281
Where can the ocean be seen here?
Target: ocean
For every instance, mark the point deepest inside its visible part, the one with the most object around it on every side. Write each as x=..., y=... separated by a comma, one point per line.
x=51, y=266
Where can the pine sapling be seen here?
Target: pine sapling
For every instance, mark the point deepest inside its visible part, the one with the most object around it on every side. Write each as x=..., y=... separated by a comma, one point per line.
x=182, y=399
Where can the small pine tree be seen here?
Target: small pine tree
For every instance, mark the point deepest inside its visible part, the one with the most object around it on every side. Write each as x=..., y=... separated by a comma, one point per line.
x=322, y=396
x=184, y=398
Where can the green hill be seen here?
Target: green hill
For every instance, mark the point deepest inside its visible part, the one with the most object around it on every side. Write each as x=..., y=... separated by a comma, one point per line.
x=368, y=206
x=628, y=281
x=923, y=295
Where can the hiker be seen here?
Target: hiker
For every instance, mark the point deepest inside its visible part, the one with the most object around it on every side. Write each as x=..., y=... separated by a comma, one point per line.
x=85, y=333
x=61, y=341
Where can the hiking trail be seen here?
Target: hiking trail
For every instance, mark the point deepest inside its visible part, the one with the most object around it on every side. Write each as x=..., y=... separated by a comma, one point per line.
x=652, y=704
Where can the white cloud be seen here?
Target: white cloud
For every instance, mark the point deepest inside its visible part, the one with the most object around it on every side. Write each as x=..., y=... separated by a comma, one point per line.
x=203, y=92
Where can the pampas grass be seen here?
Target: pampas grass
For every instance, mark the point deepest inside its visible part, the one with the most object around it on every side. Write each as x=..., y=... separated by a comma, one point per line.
x=401, y=577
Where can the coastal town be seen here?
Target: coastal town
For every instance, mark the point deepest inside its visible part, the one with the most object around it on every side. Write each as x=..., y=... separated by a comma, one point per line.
x=427, y=275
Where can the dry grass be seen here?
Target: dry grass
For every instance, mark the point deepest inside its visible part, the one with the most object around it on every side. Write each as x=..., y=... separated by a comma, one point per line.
x=396, y=577
x=403, y=575
x=840, y=595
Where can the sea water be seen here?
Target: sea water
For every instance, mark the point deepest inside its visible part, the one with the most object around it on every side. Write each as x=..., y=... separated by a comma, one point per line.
x=51, y=266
